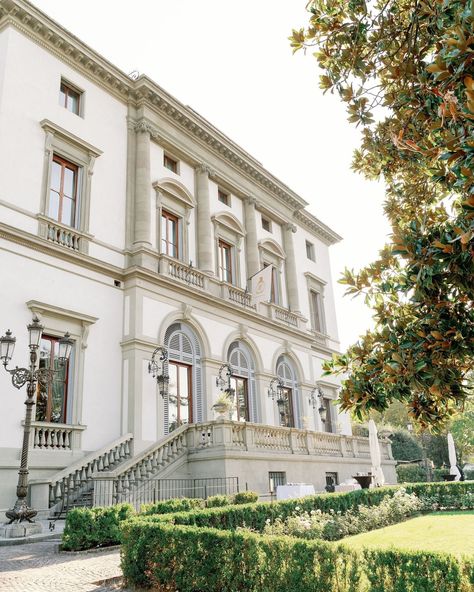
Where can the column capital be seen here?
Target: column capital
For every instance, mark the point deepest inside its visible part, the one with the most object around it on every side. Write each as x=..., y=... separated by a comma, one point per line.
x=289, y=227
x=145, y=127
x=204, y=169
x=250, y=200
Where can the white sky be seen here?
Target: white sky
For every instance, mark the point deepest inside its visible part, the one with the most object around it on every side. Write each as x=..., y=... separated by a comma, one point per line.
x=231, y=62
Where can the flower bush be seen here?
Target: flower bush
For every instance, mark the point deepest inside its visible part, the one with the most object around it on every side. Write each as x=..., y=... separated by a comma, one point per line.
x=333, y=526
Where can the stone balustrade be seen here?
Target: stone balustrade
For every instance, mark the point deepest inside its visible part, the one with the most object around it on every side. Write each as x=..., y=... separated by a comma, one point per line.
x=264, y=438
x=55, y=436
x=118, y=485
x=182, y=272
x=68, y=485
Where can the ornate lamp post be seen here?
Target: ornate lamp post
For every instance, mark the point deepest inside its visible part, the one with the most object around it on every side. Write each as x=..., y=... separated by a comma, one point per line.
x=157, y=368
x=275, y=391
x=29, y=376
x=223, y=379
x=316, y=397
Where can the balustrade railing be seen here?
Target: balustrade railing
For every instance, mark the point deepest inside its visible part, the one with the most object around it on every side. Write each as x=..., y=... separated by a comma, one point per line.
x=66, y=237
x=240, y=297
x=185, y=273
x=285, y=316
x=132, y=475
x=68, y=485
x=55, y=436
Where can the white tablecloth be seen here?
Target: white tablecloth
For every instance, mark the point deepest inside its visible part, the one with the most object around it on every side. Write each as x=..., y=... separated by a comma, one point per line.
x=294, y=490
x=346, y=487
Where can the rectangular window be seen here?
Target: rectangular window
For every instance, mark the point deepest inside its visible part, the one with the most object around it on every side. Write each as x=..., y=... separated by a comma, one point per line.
x=70, y=98
x=240, y=387
x=225, y=262
x=223, y=197
x=310, y=251
x=276, y=478
x=170, y=163
x=63, y=191
x=331, y=481
x=266, y=224
x=169, y=234
x=316, y=311
x=51, y=400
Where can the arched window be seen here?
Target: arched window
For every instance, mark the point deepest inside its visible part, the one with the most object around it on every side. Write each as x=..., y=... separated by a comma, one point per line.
x=184, y=401
x=243, y=381
x=289, y=403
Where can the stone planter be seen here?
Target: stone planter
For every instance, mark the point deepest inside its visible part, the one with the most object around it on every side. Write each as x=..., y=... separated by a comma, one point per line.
x=363, y=480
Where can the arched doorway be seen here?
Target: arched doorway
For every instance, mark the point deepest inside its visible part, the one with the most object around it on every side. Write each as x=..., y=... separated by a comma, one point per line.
x=243, y=382
x=288, y=402
x=184, y=401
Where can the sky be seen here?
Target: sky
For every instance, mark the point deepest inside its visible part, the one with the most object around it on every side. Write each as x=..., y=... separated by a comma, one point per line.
x=232, y=63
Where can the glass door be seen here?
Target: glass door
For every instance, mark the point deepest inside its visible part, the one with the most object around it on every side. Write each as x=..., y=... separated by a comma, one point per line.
x=180, y=408
x=285, y=408
x=240, y=387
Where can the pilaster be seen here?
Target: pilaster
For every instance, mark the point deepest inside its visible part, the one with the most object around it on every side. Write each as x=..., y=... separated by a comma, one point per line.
x=253, y=262
x=291, y=277
x=142, y=209
x=204, y=225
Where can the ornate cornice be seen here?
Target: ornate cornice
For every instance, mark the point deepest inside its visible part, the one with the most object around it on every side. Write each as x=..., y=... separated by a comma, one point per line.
x=317, y=227
x=143, y=91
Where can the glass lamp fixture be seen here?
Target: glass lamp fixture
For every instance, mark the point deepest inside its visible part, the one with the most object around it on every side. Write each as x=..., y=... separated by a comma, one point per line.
x=275, y=389
x=223, y=379
x=315, y=396
x=7, y=347
x=35, y=331
x=65, y=348
x=157, y=368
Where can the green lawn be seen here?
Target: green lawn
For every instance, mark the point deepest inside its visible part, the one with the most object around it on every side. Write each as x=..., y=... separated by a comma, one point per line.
x=450, y=532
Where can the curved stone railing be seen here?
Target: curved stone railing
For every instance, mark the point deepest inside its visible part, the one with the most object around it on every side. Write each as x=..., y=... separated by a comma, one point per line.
x=72, y=482
x=134, y=473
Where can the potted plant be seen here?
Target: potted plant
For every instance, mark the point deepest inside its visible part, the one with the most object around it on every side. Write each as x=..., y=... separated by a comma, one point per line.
x=223, y=404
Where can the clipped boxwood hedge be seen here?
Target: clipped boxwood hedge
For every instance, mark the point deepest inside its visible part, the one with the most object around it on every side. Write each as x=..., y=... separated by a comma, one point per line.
x=190, y=559
x=172, y=506
x=87, y=528
x=254, y=516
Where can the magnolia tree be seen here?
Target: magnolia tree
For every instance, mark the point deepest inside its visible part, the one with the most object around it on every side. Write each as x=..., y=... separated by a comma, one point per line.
x=405, y=69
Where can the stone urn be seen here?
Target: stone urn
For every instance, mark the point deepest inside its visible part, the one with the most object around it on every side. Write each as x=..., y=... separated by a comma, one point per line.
x=363, y=480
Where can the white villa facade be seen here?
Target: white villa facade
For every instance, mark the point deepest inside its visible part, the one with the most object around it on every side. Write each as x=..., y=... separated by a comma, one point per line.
x=131, y=222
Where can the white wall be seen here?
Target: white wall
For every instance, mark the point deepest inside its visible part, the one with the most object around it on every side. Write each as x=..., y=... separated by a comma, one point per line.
x=71, y=289
x=31, y=94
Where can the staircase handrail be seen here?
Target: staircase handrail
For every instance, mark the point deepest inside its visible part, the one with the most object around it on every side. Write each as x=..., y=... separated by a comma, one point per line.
x=136, y=460
x=88, y=458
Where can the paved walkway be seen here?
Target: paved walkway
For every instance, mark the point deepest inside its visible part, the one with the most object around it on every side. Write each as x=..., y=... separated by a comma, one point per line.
x=36, y=567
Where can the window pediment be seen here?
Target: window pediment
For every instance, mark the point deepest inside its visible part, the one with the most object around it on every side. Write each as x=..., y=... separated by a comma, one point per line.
x=176, y=191
x=230, y=222
x=272, y=247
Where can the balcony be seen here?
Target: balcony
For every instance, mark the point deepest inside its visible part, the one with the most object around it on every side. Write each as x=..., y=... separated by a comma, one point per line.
x=197, y=280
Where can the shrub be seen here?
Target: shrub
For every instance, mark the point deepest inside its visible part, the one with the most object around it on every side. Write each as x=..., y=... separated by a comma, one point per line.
x=405, y=446
x=173, y=505
x=86, y=528
x=334, y=526
x=217, y=501
x=245, y=497
x=454, y=495
x=189, y=559
x=411, y=473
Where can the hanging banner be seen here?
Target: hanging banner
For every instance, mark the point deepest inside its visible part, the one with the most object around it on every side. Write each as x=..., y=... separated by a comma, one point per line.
x=261, y=285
